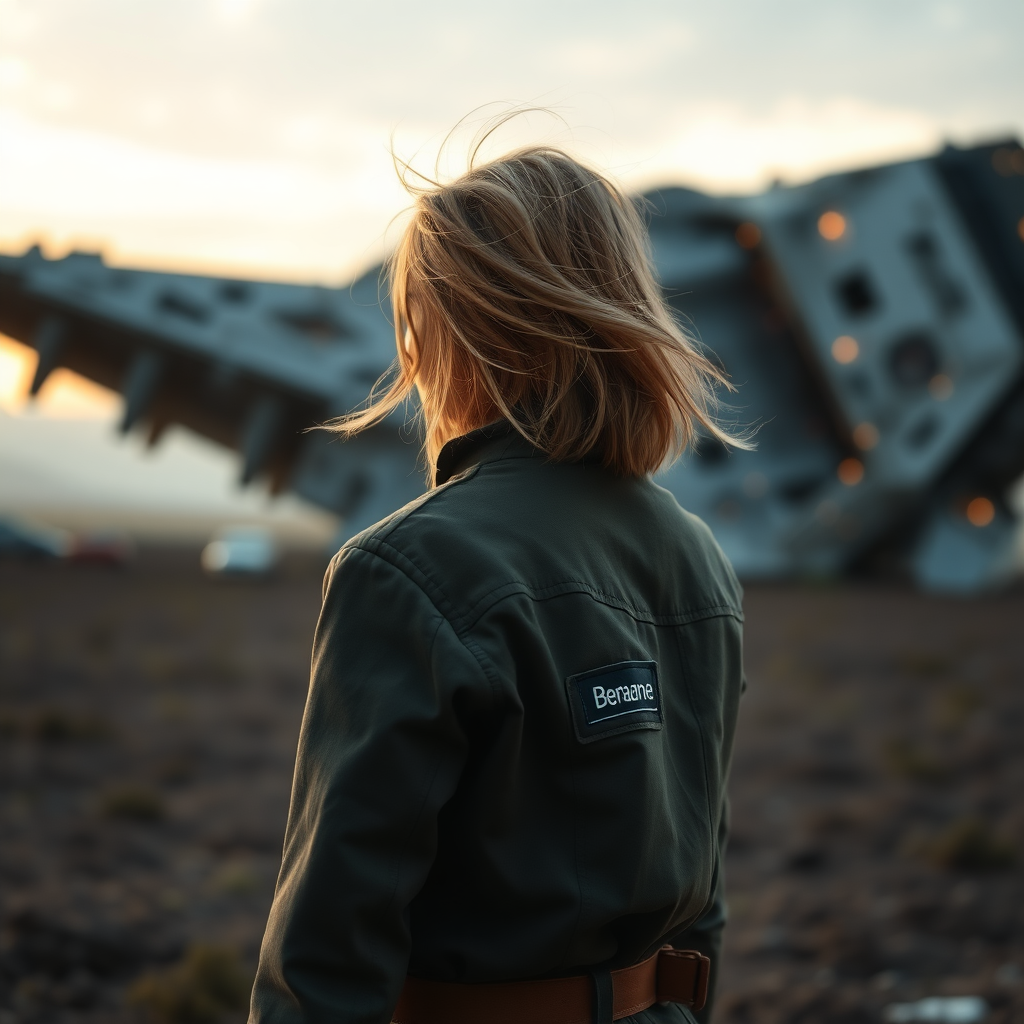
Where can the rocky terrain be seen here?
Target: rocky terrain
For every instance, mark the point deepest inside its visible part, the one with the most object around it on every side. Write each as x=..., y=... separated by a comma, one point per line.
x=147, y=725
x=877, y=854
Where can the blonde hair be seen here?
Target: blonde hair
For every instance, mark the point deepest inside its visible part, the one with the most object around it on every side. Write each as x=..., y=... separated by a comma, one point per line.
x=527, y=286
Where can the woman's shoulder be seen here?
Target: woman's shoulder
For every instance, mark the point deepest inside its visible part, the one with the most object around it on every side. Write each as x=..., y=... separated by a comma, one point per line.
x=434, y=511
x=532, y=525
x=419, y=539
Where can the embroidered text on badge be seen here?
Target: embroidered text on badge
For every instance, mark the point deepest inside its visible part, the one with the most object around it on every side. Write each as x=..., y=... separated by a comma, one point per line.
x=614, y=699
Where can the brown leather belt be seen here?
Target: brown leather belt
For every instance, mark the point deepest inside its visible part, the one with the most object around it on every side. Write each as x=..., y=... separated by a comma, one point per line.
x=670, y=976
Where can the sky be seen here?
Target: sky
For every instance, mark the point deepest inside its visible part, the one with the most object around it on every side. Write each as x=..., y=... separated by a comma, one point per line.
x=254, y=137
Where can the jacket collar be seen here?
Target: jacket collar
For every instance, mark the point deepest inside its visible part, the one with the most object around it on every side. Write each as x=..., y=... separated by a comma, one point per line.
x=498, y=440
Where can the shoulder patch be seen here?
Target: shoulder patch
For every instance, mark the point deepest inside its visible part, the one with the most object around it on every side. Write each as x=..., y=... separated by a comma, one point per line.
x=613, y=699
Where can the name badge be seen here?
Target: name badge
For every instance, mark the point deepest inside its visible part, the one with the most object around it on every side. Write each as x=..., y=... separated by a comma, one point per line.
x=614, y=699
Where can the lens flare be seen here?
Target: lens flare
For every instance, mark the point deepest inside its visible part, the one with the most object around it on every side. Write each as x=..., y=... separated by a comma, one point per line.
x=940, y=387
x=865, y=436
x=980, y=512
x=850, y=472
x=748, y=234
x=831, y=225
x=845, y=349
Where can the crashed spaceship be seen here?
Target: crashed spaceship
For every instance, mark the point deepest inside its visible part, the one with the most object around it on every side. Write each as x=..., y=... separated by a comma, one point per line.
x=872, y=322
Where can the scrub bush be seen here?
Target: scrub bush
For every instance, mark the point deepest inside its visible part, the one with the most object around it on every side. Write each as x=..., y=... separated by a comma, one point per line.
x=207, y=984
x=134, y=802
x=969, y=845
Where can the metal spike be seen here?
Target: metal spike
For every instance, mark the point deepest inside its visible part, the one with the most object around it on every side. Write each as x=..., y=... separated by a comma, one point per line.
x=48, y=341
x=140, y=384
x=258, y=436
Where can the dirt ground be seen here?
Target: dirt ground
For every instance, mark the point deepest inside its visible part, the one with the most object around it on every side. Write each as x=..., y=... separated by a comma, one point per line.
x=148, y=718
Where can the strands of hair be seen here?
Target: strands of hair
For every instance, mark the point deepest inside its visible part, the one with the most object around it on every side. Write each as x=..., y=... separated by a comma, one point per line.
x=523, y=290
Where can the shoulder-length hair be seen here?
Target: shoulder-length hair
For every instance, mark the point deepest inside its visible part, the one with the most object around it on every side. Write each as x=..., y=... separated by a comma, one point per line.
x=527, y=289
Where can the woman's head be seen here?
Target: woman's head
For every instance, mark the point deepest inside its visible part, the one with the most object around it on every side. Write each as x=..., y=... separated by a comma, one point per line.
x=523, y=290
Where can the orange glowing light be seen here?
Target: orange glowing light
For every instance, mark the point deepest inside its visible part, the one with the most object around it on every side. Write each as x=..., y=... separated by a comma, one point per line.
x=1020, y=228
x=940, y=387
x=865, y=436
x=748, y=234
x=1002, y=161
x=831, y=225
x=845, y=349
x=850, y=472
x=980, y=512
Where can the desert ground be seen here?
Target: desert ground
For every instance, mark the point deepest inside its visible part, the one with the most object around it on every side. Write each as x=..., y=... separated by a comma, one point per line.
x=148, y=717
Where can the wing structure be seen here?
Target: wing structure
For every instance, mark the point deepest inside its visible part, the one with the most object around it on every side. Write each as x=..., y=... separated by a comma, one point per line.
x=251, y=365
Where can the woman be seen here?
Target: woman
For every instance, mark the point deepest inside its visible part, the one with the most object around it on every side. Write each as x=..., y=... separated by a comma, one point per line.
x=513, y=759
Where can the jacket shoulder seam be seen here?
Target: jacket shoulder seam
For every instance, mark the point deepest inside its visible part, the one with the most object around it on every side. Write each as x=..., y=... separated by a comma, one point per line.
x=435, y=595
x=679, y=617
x=466, y=620
x=390, y=523
x=462, y=621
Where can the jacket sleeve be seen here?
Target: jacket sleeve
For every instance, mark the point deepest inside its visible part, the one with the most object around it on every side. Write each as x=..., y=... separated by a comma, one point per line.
x=380, y=751
x=705, y=935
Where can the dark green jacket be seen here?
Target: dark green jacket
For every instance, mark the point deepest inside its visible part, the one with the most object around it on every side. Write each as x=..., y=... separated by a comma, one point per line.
x=513, y=758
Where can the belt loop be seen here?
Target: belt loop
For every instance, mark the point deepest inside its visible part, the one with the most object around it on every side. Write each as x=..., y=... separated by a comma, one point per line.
x=604, y=998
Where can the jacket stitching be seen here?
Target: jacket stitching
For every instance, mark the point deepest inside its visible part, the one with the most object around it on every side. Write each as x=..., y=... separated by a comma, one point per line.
x=575, y=859
x=430, y=787
x=390, y=523
x=380, y=538
x=712, y=829
x=380, y=548
x=679, y=618
x=472, y=616
x=483, y=662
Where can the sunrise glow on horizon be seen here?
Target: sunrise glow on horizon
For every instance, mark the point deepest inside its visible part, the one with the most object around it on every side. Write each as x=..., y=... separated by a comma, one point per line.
x=252, y=138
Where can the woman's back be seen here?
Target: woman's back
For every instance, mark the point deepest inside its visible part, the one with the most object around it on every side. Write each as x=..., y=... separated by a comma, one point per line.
x=513, y=757
x=544, y=792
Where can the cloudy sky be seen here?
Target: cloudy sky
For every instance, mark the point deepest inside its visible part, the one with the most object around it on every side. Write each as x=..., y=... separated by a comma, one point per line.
x=252, y=135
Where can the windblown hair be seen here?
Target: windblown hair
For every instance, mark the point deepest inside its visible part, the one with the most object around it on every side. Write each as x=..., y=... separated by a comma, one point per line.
x=527, y=287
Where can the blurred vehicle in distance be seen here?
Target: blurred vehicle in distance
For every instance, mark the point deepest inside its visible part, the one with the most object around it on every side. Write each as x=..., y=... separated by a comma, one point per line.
x=946, y=1009
x=19, y=539
x=102, y=547
x=240, y=551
